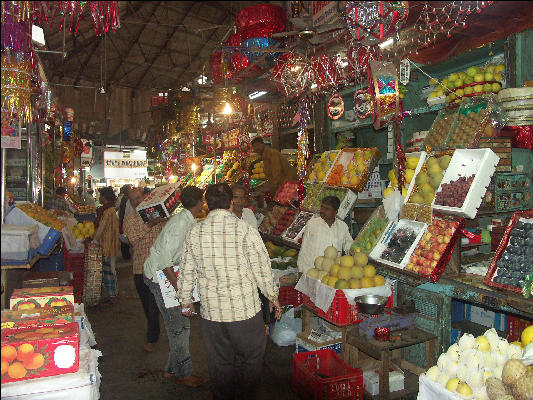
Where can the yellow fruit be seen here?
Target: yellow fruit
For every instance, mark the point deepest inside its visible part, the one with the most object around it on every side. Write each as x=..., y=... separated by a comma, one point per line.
x=367, y=282
x=409, y=174
x=354, y=180
x=321, y=175
x=482, y=343
x=325, y=279
x=388, y=191
x=357, y=272
x=345, y=273
x=334, y=271
x=370, y=271
x=344, y=180
x=527, y=334
x=404, y=191
x=360, y=259
x=354, y=283
x=391, y=175
x=452, y=384
x=464, y=390
x=347, y=261
x=332, y=157
x=341, y=284
x=379, y=280
x=412, y=162
x=332, y=281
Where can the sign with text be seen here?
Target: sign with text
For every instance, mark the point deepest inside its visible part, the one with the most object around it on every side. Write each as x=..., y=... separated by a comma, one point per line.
x=10, y=135
x=118, y=165
x=87, y=153
x=324, y=12
x=168, y=291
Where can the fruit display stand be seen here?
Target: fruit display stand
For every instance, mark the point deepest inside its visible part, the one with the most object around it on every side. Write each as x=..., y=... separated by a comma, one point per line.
x=321, y=167
x=353, y=168
x=471, y=122
x=439, y=131
x=315, y=195
x=421, y=156
x=368, y=236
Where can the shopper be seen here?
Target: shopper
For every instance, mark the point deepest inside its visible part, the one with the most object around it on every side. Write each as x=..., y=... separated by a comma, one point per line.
x=229, y=261
x=277, y=168
x=142, y=236
x=90, y=198
x=124, y=207
x=323, y=231
x=58, y=202
x=106, y=235
x=164, y=255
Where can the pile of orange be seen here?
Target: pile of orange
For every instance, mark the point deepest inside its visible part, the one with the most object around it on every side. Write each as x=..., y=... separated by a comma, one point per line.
x=17, y=361
x=336, y=175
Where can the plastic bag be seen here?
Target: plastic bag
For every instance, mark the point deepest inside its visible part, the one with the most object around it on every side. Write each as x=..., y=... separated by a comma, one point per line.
x=286, y=329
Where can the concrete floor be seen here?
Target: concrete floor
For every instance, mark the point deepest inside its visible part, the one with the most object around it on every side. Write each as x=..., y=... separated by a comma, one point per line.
x=130, y=373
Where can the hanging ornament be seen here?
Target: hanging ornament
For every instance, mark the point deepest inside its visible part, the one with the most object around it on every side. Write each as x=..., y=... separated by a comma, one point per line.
x=325, y=71
x=335, y=107
x=362, y=103
x=260, y=43
x=405, y=72
x=370, y=22
x=383, y=83
x=359, y=57
x=16, y=87
x=260, y=20
x=296, y=75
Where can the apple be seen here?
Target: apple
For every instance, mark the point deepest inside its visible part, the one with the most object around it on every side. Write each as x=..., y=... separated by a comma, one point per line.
x=440, y=239
x=434, y=264
x=427, y=236
x=427, y=264
x=442, y=247
x=435, y=247
x=420, y=261
x=436, y=256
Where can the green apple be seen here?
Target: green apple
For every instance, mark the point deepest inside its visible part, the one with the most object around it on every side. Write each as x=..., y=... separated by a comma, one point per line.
x=452, y=96
x=479, y=78
x=478, y=88
x=468, y=90
x=444, y=82
x=462, y=75
x=489, y=76
x=497, y=77
x=496, y=87
x=499, y=68
x=459, y=83
x=460, y=92
x=453, y=77
x=491, y=68
x=487, y=87
x=468, y=80
x=439, y=92
x=472, y=71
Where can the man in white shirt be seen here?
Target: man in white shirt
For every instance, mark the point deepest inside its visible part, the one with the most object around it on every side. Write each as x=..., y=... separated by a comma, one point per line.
x=164, y=255
x=323, y=231
x=238, y=205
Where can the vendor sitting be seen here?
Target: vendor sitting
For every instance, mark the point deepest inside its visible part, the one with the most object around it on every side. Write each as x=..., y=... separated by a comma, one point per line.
x=59, y=202
x=323, y=231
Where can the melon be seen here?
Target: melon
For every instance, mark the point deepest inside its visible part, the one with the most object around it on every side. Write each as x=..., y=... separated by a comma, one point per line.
x=331, y=253
x=345, y=273
x=318, y=262
x=354, y=283
x=327, y=264
x=346, y=261
x=334, y=271
x=325, y=278
x=360, y=259
x=357, y=272
x=367, y=282
x=370, y=271
x=341, y=284
x=313, y=273
x=379, y=280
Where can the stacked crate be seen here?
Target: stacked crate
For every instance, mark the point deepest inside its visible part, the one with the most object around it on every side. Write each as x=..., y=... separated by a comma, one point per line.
x=502, y=147
x=75, y=262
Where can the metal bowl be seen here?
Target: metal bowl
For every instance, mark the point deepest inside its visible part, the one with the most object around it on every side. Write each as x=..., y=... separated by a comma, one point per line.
x=371, y=303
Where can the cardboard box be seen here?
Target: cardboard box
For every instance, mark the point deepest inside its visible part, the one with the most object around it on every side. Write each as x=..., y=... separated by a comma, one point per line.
x=47, y=316
x=486, y=318
x=32, y=298
x=371, y=377
x=46, y=279
x=161, y=202
x=40, y=351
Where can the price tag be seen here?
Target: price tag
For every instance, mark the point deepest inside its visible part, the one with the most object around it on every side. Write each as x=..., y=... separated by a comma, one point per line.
x=168, y=291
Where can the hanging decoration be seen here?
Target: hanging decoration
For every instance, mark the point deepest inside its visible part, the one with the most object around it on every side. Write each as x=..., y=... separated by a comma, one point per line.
x=362, y=103
x=405, y=72
x=335, y=107
x=326, y=72
x=383, y=83
x=260, y=42
x=295, y=75
x=359, y=57
x=370, y=22
x=16, y=87
x=67, y=131
x=303, y=146
x=260, y=20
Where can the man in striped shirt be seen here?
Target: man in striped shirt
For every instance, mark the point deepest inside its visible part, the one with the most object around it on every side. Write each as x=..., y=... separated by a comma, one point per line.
x=229, y=260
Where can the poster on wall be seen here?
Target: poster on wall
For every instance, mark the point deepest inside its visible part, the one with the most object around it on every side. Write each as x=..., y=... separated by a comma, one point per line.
x=132, y=165
x=87, y=153
x=10, y=135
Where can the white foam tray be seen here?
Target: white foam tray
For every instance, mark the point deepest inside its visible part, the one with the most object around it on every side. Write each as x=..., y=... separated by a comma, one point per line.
x=422, y=159
x=383, y=241
x=466, y=162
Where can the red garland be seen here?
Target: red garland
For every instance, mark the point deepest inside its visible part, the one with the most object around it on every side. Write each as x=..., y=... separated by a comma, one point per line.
x=326, y=72
x=216, y=67
x=301, y=193
x=260, y=20
x=522, y=136
x=401, y=158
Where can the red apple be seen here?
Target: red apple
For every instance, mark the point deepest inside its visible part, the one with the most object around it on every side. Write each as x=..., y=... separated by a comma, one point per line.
x=436, y=255
x=420, y=261
x=434, y=264
x=427, y=264
x=435, y=247
x=442, y=247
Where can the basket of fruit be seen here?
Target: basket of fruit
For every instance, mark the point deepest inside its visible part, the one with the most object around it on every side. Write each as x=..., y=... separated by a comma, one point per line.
x=287, y=193
x=371, y=232
x=353, y=167
x=321, y=167
x=512, y=261
x=444, y=122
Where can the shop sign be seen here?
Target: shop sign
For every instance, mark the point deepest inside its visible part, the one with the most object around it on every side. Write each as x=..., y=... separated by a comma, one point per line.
x=323, y=12
x=10, y=136
x=117, y=166
x=87, y=153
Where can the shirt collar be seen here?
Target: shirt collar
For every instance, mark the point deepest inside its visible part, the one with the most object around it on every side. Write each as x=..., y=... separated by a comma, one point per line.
x=220, y=211
x=187, y=214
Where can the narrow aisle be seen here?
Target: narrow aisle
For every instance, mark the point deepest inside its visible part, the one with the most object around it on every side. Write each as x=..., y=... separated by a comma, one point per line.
x=129, y=372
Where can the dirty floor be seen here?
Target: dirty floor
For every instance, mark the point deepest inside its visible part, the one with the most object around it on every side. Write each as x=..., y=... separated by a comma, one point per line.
x=130, y=373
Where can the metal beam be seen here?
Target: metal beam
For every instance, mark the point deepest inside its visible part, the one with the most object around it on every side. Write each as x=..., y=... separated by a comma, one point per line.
x=167, y=41
x=87, y=59
x=113, y=74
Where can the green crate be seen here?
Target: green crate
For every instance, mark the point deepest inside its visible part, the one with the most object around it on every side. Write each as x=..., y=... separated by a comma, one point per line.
x=512, y=191
x=434, y=316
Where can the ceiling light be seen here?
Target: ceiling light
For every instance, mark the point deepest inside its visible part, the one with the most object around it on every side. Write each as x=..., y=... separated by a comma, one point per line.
x=227, y=109
x=37, y=35
x=73, y=180
x=255, y=95
x=193, y=167
x=387, y=43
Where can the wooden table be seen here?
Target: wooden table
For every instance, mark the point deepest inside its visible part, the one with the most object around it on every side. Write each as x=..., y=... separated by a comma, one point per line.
x=387, y=352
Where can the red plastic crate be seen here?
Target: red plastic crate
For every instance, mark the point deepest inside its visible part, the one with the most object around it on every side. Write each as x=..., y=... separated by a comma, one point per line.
x=74, y=261
x=288, y=295
x=341, y=312
x=340, y=382
x=515, y=326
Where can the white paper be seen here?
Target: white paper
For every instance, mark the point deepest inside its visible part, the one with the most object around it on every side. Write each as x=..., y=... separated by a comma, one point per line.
x=168, y=291
x=393, y=204
x=322, y=295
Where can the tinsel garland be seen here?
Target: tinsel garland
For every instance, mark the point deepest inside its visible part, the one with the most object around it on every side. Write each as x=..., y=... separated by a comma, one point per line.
x=303, y=147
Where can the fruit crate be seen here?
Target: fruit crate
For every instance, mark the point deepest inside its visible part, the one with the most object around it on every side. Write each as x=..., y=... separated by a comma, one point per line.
x=295, y=231
x=433, y=316
x=481, y=163
x=74, y=261
x=287, y=193
x=288, y=295
x=345, y=157
x=442, y=125
x=53, y=263
x=340, y=312
x=421, y=160
x=515, y=326
x=512, y=191
x=384, y=241
x=379, y=213
x=519, y=216
x=49, y=241
x=323, y=375
x=317, y=160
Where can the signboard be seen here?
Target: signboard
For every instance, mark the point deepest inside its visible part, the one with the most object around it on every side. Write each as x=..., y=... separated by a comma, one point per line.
x=168, y=291
x=116, y=165
x=10, y=135
x=323, y=12
x=87, y=153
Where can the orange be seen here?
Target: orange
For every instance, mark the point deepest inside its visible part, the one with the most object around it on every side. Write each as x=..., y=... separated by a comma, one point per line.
x=9, y=353
x=34, y=362
x=5, y=366
x=16, y=371
x=24, y=351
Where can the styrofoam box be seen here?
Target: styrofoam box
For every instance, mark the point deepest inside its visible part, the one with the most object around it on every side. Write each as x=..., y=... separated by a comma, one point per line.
x=383, y=241
x=346, y=205
x=485, y=317
x=421, y=160
x=371, y=380
x=436, y=100
x=304, y=345
x=466, y=162
x=372, y=188
x=16, y=242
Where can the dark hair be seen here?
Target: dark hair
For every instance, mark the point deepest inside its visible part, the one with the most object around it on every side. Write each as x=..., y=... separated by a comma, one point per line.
x=257, y=140
x=332, y=201
x=108, y=193
x=218, y=196
x=125, y=189
x=190, y=196
x=238, y=186
x=61, y=191
x=146, y=190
